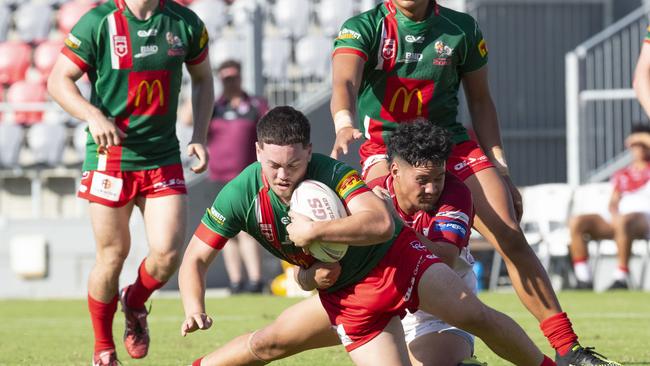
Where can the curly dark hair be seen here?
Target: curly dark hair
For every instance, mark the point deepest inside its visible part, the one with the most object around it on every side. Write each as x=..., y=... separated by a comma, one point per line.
x=283, y=126
x=419, y=142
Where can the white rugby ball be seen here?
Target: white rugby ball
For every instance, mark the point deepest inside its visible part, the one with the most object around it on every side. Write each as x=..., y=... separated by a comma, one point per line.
x=318, y=202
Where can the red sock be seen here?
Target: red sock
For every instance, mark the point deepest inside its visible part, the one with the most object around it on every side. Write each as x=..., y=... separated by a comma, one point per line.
x=197, y=362
x=102, y=315
x=557, y=329
x=142, y=288
x=547, y=362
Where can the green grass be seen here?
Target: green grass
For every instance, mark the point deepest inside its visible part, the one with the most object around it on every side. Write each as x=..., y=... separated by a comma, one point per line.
x=58, y=332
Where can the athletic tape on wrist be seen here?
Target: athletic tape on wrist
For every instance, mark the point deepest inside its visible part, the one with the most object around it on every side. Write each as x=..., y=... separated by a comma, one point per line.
x=343, y=119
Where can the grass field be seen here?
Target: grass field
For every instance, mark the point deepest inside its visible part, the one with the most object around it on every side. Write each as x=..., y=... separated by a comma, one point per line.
x=57, y=332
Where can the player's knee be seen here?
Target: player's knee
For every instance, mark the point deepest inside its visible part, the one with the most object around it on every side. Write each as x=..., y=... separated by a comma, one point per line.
x=577, y=225
x=167, y=262
x=268, y=346
x=112, y=259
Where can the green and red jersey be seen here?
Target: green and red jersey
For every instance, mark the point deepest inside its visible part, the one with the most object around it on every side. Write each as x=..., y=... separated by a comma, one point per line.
x=247, y=203
x=412, y=69
x=135, y=68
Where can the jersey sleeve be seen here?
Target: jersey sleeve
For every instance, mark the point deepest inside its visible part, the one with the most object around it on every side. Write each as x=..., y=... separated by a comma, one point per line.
x=476, y=54
x=340, y=177
x=80, y=46
x=199, y=39
x=226, y=215
x=454, y=218
x=355, y=37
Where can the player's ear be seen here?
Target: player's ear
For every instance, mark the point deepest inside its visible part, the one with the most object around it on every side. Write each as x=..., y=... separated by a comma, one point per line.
x=309, y=150
x=393, y=169
x=258, y=151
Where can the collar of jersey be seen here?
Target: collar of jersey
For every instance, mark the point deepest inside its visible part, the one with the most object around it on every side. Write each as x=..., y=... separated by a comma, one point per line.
x=121, y=5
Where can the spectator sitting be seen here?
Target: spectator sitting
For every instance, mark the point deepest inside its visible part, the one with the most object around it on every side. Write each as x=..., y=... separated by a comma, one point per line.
x=628, y=217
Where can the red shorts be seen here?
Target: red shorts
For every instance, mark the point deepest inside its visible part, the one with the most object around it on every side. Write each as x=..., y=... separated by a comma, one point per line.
x=117, y=188
x=465, y=160
x=361, y=311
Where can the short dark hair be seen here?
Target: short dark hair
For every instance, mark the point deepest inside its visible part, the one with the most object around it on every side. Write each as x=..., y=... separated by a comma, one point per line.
x=419, y=142
x=283, y=126
x=229, y=63
x=640, y=128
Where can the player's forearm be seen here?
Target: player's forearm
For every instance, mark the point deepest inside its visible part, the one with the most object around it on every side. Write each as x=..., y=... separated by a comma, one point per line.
x=362, y=228
x=486, y=126
x=191, y=283
x=64, y=91
x=202, y=102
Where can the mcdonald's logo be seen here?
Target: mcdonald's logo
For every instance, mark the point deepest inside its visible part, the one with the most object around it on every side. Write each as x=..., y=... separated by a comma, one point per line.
x=406, y=98
x=150, y=88
x=149, y=92
x=408, y=95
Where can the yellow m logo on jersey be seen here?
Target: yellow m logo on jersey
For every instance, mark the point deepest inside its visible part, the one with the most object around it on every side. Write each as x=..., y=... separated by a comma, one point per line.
x=408, y=95
x=150, y=88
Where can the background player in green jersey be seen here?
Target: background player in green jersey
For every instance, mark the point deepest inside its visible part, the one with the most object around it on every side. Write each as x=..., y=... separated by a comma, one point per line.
x=406, y=59
x=133, y=52
x=385, y=270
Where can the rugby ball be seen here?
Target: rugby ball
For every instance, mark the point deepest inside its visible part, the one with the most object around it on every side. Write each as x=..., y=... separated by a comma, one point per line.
x=318, y=202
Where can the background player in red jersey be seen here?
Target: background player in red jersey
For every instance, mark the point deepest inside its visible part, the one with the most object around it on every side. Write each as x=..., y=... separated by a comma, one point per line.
x=378, y=280
x=406, y=59
x=133, y=52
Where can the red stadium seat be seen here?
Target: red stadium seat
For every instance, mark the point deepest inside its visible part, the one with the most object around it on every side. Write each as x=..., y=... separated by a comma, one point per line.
x=14, y=61
x=70, y=13
x=45, y=56
x=27, y=92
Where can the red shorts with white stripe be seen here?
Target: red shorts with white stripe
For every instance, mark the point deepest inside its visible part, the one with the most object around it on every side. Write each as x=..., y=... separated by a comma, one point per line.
x=466, y=158
x=117, y=188
x=361, y=311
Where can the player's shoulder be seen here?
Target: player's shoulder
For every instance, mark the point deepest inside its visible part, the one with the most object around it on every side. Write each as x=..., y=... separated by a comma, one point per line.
x=248, y=182
x=377, y=182
x=95, y=15
x=455, y=185
x=183, y=13
x=458, y=18
x=455, y=193
x=371, y=16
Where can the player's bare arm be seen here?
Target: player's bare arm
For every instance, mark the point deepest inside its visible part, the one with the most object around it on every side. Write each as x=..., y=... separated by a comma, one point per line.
x=642, y=78
x=347, y=70
x=61, y=86
x=369, y=223
x=191, y=282
x=486, y=126
x=202, y=100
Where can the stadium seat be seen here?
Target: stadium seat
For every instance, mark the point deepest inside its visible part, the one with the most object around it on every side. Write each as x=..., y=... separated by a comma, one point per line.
x=33, y=21
x=313, y=55
x=545, y=214
x=276, y=55
x=46, y=142
x=5, y=21
x=213, y=13
x=14, y=61
x=45, y=56
x=332, y=13
x=27, y=92
x=292, y=17
x=11, y=140
x=69, y=14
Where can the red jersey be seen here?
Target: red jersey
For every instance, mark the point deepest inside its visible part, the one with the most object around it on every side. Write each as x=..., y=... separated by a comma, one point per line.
x=630, y=179
x=449, y=221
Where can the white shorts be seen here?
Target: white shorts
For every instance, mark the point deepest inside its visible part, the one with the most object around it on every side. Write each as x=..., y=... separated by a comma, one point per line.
x=420, y=323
